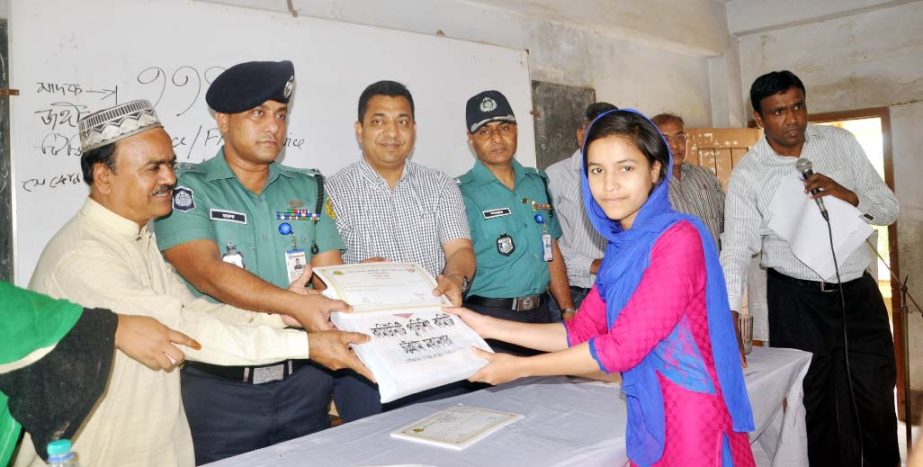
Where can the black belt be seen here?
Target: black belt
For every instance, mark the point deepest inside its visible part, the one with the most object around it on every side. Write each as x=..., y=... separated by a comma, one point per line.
x=821, y=286
x=575, y=288
x=252, y=374
x=527, y=303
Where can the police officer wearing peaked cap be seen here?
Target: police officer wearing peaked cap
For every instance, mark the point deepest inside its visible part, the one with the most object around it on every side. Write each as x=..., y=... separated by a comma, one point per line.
x=513, y=224
x=241, y=226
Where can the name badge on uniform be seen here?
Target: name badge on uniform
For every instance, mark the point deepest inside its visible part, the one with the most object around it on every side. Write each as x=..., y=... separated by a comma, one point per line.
x=499, y=212
x=505, y=245
x=547, y=252
x=295, y=261
x=228, y=216
x=546, y=247
x=232, y=256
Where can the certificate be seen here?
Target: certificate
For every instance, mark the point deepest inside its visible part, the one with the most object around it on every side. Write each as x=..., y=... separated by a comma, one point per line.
x=457, y=427
x=414, y=345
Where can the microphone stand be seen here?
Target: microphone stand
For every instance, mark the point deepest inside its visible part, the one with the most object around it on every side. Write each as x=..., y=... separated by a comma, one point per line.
x=905, y=316
x=906, y=298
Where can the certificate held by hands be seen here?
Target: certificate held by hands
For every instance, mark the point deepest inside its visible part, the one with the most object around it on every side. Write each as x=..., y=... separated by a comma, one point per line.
x=414, y=345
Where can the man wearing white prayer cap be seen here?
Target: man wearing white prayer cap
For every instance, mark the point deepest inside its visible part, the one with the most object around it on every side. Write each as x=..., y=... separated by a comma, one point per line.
x=107, y=257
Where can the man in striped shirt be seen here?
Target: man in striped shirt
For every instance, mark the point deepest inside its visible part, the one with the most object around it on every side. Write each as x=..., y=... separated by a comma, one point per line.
x=389, y=208
x=693, y=189
x=581, y=246
x=806, y=311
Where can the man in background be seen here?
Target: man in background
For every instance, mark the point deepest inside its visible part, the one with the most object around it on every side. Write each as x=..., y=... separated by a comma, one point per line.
x=388, y=208
x=807, y=311
x=581, y=246
x=693, y=189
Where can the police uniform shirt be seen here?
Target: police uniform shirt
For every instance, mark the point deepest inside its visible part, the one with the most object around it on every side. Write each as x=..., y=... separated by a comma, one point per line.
x=210, y=203
x=502, y=220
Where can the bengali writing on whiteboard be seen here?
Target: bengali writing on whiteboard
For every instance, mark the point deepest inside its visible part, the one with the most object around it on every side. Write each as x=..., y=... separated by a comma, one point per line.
x=76, y=61
x=414, y=345
x=177, y=94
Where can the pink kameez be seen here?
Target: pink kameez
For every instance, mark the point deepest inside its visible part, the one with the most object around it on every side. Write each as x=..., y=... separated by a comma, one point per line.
x=671, y=293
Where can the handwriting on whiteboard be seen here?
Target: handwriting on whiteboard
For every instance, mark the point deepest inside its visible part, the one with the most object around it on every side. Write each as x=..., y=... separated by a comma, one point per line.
x=174, y=92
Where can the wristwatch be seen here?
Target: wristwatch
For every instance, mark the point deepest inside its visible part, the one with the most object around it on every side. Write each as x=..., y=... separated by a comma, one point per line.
x=568, y=310
x=466, y=284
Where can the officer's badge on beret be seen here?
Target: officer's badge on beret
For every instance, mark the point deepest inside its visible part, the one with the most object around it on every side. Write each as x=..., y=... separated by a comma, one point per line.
x=488, y=104
x=289, y=87
x=486, y=107
x=183, y=199
x=247, y=85
x=115, y=123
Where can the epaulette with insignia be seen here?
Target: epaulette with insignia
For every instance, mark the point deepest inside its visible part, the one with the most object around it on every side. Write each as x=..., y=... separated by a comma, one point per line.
x=536, y=171
x=187, y=167
x=463, y=179
x=308, y=172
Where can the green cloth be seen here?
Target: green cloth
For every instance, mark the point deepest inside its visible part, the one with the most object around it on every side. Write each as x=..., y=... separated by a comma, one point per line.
x=524, y=271
x=31, y=321
x=223, y=211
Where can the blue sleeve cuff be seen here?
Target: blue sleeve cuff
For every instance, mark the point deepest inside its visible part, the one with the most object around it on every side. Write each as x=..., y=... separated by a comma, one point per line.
x=593, y=353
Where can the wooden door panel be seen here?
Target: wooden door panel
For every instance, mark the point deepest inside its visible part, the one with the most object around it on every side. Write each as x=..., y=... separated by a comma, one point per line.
x=719, y=149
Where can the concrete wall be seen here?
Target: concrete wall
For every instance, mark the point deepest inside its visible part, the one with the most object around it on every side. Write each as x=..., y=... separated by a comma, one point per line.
x=631, y=64
x=908, y=143
x=860, y=58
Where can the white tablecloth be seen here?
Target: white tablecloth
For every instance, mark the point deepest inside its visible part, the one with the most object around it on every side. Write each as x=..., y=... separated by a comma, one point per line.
x=568, y=421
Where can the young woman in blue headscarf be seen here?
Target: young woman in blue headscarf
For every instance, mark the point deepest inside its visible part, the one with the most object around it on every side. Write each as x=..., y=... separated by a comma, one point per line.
x=658, y=312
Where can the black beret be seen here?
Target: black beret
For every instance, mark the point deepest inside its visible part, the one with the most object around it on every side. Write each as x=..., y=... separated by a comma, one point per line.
x=247, y=85
x=486, y=107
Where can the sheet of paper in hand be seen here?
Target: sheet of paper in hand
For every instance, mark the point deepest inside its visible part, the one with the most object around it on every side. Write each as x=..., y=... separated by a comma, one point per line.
x=415, y=346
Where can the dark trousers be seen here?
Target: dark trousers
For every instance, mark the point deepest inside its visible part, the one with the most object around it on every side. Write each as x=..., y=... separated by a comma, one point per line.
x=229, y=417
x=804, y=317
x=542, y=314
x=356, y=397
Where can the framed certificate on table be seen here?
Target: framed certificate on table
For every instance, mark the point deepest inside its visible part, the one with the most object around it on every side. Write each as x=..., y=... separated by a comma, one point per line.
x=414, y=345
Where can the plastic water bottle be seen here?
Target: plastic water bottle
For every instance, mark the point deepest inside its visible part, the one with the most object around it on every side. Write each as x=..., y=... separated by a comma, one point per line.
x=60, y=454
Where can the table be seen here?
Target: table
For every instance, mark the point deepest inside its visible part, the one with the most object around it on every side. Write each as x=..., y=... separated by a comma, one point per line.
x=568, y=422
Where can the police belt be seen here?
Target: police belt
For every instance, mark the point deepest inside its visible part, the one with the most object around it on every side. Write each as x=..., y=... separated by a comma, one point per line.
x=527, y=303
x=819, y=286
x=245, y=374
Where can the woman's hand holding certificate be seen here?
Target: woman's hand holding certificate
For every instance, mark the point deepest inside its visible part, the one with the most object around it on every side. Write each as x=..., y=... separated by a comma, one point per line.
x=414, y=344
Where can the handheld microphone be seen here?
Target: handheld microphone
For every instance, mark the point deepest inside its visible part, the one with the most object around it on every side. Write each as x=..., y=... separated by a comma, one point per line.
x=807, y=169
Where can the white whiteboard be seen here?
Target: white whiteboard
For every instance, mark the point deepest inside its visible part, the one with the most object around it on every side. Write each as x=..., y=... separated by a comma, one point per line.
x=73, y=57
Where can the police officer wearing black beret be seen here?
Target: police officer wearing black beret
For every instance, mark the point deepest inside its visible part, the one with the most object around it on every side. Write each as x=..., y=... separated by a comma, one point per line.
x=242, y=230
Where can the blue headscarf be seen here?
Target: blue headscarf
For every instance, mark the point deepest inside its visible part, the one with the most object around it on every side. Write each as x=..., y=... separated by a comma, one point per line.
x=677, y=358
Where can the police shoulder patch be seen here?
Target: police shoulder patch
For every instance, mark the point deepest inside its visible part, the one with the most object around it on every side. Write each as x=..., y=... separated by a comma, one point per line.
x=308, y=172
x=183, y=199
x=329, y=207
